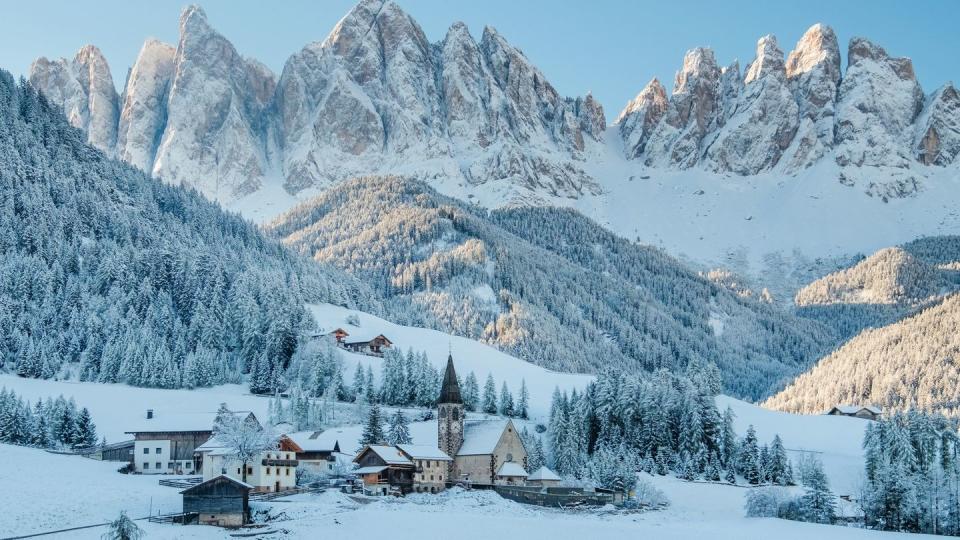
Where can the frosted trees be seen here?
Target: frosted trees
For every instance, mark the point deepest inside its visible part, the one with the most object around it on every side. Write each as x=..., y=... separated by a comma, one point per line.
x=489, y=405
x=471, y=392
x=123, y=528
x=817, y=505
x=399, y=432
x=243, y=437
x=373, y=428
x=523, y=402
x=778, y=469
x=748, y=459
x=506, y=401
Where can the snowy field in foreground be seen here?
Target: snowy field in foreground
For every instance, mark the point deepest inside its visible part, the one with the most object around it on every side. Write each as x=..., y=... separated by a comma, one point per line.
x=70, y=491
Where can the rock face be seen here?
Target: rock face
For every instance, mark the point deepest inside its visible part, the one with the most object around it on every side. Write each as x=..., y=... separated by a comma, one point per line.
x=376, y=88
x=764, y=122
x=143, y=117
x=879, y=100
x=84, y=88
x=640, y=116
x=678, y=138
x=813, y=69
x=215, y=124
x=938, y=133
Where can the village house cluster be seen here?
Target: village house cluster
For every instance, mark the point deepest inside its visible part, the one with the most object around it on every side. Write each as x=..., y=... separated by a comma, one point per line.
x=485, y=453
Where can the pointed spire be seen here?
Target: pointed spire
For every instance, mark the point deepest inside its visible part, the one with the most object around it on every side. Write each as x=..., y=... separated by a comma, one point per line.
x=450, y=392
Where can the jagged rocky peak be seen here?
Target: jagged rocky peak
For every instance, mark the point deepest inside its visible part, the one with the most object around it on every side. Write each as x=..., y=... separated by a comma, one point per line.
x=731, y=85
x=84, y=88
x=641, y=115
x=938, y=128
x=144, y=112
x=465, y=88
x=764, y=120
x=214, y=132
x=879, y=100
x=813, y=68
x=694, y=106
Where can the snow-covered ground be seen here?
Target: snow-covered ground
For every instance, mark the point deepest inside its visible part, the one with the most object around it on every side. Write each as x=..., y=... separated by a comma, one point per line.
x=73, y=491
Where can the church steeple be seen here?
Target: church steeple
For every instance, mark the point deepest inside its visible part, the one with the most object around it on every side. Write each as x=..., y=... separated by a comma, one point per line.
x=450, y=417
x=450, y=391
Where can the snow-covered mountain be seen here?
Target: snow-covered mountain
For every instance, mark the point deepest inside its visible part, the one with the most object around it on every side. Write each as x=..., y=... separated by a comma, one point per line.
x=796, y=137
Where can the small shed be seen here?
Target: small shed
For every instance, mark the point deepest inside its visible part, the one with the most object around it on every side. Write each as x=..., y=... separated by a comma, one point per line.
x=543, y=477
x=511, y=473
x=220, y=501
x=856, y=411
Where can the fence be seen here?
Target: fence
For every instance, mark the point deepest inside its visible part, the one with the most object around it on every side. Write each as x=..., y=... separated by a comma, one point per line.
x=561, y=497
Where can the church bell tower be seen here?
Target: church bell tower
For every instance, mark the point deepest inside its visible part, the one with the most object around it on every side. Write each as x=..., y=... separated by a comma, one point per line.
x=450, y=415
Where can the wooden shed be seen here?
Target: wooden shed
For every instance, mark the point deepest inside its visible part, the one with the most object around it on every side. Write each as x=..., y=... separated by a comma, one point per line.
x=220, y=501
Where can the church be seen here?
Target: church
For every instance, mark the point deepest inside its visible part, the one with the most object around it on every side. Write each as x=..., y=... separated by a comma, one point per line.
x=484, y=452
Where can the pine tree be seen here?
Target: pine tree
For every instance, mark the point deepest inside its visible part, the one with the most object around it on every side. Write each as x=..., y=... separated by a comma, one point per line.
x=506, y=401
x=778, y=468
x=399, y=432
x=359, y=383
x=748, y=463
x=123, y=528
x=471, y=393
x=86, y=429
x=490, y=396
x=523, y=403
x=373, y=429
x=728, y=439
x=817, y=505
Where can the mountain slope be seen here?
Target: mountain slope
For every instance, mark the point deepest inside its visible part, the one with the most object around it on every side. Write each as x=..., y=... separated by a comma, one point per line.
x=114, y=276
x=546, y=285
x=912, y=363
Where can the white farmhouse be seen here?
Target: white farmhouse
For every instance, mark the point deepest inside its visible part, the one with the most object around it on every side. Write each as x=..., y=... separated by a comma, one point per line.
x=273, y=470
x=166, y=443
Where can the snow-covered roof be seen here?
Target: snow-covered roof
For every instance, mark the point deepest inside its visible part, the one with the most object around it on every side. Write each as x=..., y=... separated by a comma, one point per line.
x=543, y=473
x=424, y=451
x=481, y=436
x=363, y=335
x=390, y=455
x=216, y=478
x=369, y=470
x=317, y=441
x=179, y=422
x=854, y=409
x=511, y=468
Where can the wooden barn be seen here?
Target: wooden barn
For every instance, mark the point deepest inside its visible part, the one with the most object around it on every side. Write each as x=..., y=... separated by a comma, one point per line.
x=220, y=501
x=383, y=468
x=373, y=345
x=118, y=451
x=856, y=411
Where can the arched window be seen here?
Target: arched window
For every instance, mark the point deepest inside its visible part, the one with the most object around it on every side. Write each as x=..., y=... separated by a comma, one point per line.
x=509, y=457
x=455, y=413
x=443, y=412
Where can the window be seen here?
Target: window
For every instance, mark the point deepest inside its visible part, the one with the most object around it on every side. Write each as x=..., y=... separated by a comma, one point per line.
x=158, y=451
x=158, y=465
x=146, y=450
x=431, y=478
x=188, y=464
x=288, y=471
x=238, y=470
x=268, y=471
x=509, y=457
x=443, y=412
x=169, y=464
x=249, y=470
x=146, y=465
x=455, y=413
x=441, y=478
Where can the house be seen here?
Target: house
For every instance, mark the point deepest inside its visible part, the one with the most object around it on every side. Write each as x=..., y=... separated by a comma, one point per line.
x=166, y=443
x=543, y=477
x=338, y=334
x=481, y=449
x=320, y=452
x=856, y=411
x=383, y=468
x=367, y=343
x=430, y=467
x=271, y=471
x=221, y=501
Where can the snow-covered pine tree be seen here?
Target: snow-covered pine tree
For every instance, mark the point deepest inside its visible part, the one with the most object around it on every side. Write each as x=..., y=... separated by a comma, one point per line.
x=818, y=504
x=490, y=396
x=523, y=402
x=505, y=406
x=471, y=392
x=373, y=428
x=748, y=459
x=399, y=432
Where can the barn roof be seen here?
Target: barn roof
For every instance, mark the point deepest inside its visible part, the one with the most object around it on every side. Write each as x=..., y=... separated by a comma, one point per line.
x=511, y=468
x=854, y=409
x=543, y=473
x=318, y=441
x=481, y=436
x=390, y=455
x=424, y=451
x=179, y=422
x=450, y=391
x=222, y=478
x=369, y=470
x=365, y=336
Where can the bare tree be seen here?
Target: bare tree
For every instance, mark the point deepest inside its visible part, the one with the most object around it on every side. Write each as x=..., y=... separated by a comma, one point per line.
x=243, y=437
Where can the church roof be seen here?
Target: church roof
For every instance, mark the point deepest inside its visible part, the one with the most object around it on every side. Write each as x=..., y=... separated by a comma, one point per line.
x=450, y=392
x=481, y=436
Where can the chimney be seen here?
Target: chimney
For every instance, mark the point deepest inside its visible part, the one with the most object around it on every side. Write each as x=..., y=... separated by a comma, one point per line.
x=149, y=414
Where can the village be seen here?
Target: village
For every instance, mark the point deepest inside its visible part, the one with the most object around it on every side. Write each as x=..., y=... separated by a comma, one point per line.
x=222, y=460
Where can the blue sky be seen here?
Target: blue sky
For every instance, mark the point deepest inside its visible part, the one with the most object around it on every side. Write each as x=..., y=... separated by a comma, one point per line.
x=607, y=47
